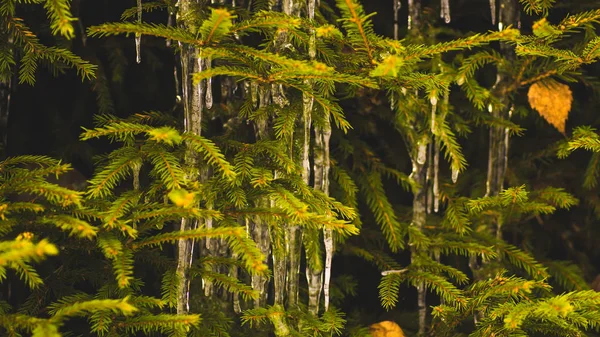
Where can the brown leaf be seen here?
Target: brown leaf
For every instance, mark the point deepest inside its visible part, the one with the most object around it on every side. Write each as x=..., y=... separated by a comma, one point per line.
x=552, y=100
x=386, y=329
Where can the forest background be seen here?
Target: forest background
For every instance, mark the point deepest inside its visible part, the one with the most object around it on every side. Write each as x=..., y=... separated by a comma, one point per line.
x=415, y=165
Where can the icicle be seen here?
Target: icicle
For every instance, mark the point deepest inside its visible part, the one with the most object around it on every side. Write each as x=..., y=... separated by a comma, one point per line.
x=328, y=238
x=138, y=37
x=421, y=152
x=208, y=101
x=178, y=97
x=433, y=101
x=438, y=259
x=414, y=14
x=311, y=9
x=445, y=11
x=312, y=44
x=169, y=24
x=293, y=243
x=410, y=7
x=291, y=7
x=200, y=85
x=314, y=279
x=183, y=298
x=278, y=95
x=418, y=175
x=397, y=6
x=454, y=175
x=327, y=233
x=233, y=273
x=193, y=107
x=436, y=173
x=260, y=230
x=422, y=307
x=260, y=235
x=280, y=261
x=428, y=179
x=210, y=248
x=279, y=276
x=500, y=16
x=493, y=11
x=314, y=274
x=490, y=182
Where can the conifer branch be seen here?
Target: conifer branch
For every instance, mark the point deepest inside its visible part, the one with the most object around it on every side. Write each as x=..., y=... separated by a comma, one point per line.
x=60, y=17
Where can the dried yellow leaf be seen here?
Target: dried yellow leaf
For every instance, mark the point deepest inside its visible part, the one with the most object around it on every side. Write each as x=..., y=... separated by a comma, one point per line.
x=552, y=100
x=386, y=329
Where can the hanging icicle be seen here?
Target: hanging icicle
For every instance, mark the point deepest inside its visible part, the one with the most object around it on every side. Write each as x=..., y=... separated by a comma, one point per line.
x=193, y=107
x=259, y=230
x=410, y=11
x=501, y=16
x=278, y=95
x=493, y=11
x=438, y=259
x=436, y=175
x=421, y=153
x=209, y=248
x=454, y=176
x=280, y=262
x=138, y=37
x=233, y=273
x=419, y=156
x=414, y=14
x=327, y=233
x=208, y=101
x=433, y=100
x=169, y=24
x=445, y=11
x=314, y=273
x=291, y=7
x=200, y=86
x=428, y=179
x=397, y=6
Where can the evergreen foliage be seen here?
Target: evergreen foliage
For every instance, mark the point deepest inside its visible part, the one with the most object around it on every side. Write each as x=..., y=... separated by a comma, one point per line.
x=253, y=172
